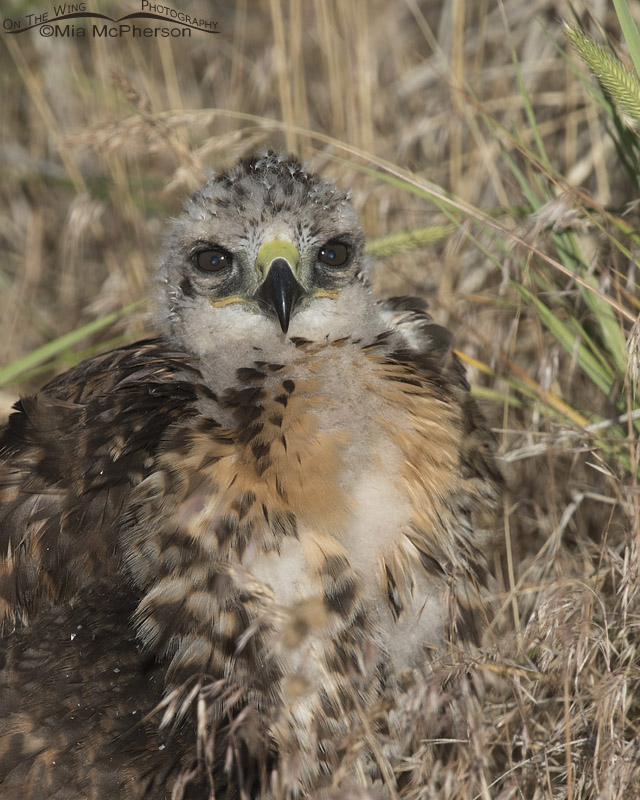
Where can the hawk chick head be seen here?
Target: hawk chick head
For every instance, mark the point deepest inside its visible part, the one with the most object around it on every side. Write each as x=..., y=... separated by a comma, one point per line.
x=260, y=251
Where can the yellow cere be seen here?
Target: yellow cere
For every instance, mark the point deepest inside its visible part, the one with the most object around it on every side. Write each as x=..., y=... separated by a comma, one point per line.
x=279, y=248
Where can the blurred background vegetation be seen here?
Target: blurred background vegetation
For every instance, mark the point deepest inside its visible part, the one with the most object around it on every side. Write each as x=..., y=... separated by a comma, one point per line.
x=476, y=126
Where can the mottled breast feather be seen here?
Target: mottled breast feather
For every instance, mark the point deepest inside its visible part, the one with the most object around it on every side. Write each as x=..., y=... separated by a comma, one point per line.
x=247, y=542
x=232, y=555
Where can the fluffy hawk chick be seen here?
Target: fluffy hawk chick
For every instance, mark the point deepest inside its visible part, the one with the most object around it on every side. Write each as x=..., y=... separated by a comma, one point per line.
x=251, y=526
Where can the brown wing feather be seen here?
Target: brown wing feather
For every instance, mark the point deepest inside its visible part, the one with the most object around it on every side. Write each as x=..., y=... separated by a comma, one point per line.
x=68, y=458
x=432, y=350
x=75, y=690
x=75, y=694
x=430, y=353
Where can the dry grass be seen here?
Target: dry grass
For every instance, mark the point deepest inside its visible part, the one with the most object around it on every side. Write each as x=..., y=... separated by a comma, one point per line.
x=99, y=142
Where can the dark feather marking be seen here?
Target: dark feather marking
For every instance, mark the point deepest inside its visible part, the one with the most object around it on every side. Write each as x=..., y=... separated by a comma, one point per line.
x=208, y=393
x=300, y=341
x=226, y=528
x=243, y=503
x=339, y=595
x=186, y=287
x=334, y=566
x=405, y=303
x=267, y=365
x=431, y=565
x=284, y=524
x=375, y=345
x=208, y=425
x=260, y=449
x=279, y=488
x=404, y=379
x=255, y=429
x=262, y=465
x=249, y=374
x=181, y=441
x=392, y=593
x=243, y=398
x=209, y=460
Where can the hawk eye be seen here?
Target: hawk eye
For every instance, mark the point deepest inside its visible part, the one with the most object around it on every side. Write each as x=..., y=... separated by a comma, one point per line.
x=334, y=254
x=214, y=260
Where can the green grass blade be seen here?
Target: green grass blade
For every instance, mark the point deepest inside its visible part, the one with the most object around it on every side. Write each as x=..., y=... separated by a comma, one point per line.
x=68, y=360
x=17, y=369
x=567, y=339
x=526, y=99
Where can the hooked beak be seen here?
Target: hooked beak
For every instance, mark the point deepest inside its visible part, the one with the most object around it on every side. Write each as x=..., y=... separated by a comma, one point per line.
x=280, y=291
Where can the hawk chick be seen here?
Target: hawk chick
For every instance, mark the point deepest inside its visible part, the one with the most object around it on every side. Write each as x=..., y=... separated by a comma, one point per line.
x=222, y=546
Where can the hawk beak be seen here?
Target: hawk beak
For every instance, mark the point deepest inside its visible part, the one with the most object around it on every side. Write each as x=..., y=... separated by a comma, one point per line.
x=280, y=291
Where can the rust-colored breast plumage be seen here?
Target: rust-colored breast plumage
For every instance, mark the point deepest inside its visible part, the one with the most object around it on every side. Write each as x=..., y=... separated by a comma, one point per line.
x=204, y=587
